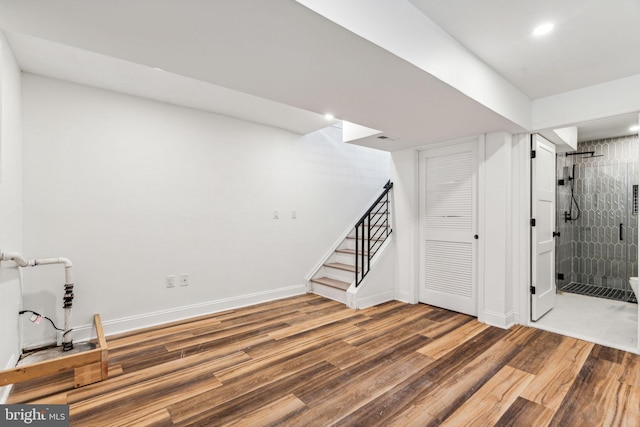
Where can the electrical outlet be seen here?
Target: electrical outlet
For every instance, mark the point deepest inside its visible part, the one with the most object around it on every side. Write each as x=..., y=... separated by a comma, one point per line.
x=171, y=281
x=276, y=214
x=294, y=214
x=184, y=279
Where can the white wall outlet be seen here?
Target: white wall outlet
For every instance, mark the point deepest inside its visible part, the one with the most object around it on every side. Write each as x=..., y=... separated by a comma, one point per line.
x=276, y=214
x=294, y=214
x=184, y=279
x=171, y=281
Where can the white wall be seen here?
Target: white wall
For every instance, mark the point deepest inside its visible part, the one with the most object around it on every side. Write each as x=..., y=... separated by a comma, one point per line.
x=404, y=174
x=10, y=205
x=496, y=301
x=132, y=190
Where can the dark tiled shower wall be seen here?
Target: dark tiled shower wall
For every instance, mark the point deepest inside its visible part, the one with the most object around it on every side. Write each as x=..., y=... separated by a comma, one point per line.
x=591, y=250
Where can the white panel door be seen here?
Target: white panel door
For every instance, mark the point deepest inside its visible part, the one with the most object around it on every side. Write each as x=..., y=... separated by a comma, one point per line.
x=543, y=210
x=448, y=222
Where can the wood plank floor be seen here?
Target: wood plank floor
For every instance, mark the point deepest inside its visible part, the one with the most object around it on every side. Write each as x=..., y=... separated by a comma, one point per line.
x=309, y=361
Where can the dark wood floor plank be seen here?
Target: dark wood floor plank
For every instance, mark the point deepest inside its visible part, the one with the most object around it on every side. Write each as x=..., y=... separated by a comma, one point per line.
x=270, y=414
x=360, y=389
x=310, y=361
x=525, y=413
x=492, y=400
x=402, y=396
x=631, y=370
x=446, y=322
x=443, y=345
x=358, y=353
x=236, y=385
x=553, y=381
x=534, y=356
x=238, y=400
x=156, y=393
x=598, y=398
x=444, y=399
x=213, y=361
x=608, y=353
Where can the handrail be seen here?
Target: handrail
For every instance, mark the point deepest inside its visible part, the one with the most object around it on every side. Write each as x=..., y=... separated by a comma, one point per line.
x=371, y=232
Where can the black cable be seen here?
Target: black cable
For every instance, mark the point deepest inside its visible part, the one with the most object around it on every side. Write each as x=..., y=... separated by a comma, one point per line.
x=44, y=317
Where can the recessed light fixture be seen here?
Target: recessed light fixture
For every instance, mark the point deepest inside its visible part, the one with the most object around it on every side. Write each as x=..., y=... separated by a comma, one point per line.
x=329, y=116
x=634, y=128
x=543, y=29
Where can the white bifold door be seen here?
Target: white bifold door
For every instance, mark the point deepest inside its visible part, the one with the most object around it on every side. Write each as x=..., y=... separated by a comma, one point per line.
x=543, y=221
x=448, y=216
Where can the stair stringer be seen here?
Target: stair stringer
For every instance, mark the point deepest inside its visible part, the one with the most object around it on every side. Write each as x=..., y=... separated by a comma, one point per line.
x=378, y=286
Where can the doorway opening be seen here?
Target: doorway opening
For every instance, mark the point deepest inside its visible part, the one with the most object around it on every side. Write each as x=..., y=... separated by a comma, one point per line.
x=596, y=239
x=597, y=218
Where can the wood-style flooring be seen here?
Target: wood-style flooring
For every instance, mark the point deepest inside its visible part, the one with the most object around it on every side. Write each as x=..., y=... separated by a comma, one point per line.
x=309, y=361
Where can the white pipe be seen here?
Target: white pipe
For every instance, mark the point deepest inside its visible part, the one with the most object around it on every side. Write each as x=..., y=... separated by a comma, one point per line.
x=68, y=272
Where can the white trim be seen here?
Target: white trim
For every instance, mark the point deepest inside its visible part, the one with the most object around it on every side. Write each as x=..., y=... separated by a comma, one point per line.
x=500, y=320
x=479, y=254
x=415, y=236
x=523, y=215
x=372, y=300
x=124, y=324
x=404, y=297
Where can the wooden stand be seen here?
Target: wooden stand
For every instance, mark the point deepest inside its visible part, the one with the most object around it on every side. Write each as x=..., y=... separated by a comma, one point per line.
x=88, y=367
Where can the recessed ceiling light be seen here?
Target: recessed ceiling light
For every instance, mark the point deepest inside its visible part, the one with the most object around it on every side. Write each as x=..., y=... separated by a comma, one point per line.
x=634, y=128
x=329, y=116
x=543, y=29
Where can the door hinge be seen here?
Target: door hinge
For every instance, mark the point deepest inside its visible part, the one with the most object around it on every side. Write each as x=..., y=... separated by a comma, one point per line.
x=532, y=222
x=533, y=154
x=532, y=289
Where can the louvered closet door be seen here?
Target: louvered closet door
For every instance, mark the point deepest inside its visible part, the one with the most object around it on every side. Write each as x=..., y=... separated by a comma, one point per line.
x=448, y=216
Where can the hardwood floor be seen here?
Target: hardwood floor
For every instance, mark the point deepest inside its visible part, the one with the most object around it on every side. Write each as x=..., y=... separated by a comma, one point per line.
x=309, y=361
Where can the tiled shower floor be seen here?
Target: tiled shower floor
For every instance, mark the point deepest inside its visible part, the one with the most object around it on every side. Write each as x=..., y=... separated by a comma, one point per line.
x=600, y=292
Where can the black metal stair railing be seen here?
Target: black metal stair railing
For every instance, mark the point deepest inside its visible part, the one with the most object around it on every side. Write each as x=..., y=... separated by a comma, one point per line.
x=371, y=232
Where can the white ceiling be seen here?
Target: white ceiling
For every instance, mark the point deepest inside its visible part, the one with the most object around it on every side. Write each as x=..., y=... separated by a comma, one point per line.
x=593, y=41
x=281, y=64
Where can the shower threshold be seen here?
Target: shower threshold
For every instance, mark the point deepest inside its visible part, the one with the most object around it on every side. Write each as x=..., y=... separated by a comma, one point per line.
x=600, y=292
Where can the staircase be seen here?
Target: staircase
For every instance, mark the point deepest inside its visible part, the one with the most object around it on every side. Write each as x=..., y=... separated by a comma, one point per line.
x=350, y=262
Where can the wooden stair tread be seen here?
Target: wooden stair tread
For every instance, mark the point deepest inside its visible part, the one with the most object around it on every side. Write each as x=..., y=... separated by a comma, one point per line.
x=350, y=251
x=360, y=238
x=341, y=266
x=334, y=283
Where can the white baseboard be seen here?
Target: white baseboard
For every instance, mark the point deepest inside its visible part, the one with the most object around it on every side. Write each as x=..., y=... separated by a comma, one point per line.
x=371, y=300
x=125, y=324
x=500, y=320
x=404, y=297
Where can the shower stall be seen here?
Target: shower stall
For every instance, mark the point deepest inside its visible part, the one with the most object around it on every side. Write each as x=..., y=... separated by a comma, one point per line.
x=597, y=217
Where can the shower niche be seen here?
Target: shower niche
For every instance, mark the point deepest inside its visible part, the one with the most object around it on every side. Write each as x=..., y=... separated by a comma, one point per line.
x=597, y=217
